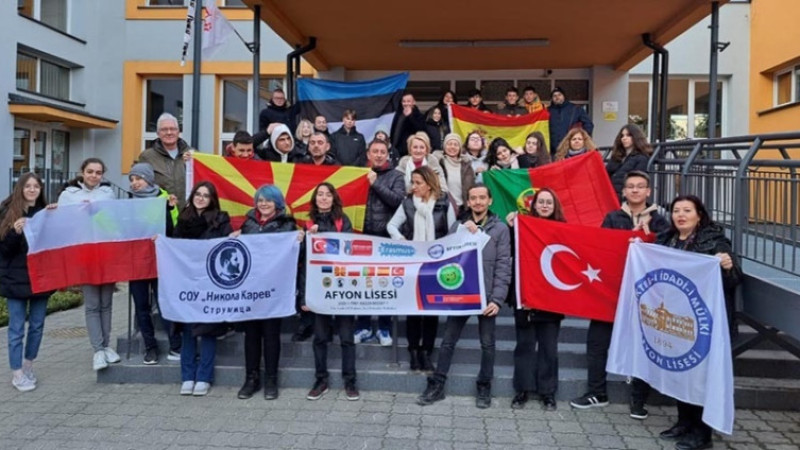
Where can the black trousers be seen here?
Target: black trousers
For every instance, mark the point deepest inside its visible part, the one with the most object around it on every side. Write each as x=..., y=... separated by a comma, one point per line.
x=323, y=335
x=452, y=332
x=262, y=335
x=598, y=340
x=421, y=332
x=536, y=355
x=692, y=416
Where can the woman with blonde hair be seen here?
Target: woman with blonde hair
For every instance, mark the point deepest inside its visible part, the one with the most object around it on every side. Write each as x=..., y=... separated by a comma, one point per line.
x=575, y=143
x=419, y=155
x=303, y=133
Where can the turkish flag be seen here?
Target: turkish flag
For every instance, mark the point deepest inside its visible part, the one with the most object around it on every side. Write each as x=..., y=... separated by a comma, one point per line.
x=570, y=269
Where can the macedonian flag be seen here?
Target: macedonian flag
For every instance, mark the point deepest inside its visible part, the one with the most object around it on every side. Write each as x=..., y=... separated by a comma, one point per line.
x=237, y=180
x=514, y=129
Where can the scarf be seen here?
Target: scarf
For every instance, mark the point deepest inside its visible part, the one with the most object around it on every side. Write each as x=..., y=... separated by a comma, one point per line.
x=423, y=219
x=571, y=152
x=410, y=166
x=152, y=190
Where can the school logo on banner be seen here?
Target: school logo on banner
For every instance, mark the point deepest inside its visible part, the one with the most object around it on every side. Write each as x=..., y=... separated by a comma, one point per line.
x=228, y=264
x=676, y=323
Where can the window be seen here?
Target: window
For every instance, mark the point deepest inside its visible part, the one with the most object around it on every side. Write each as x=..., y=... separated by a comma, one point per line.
x=60, y=151
x=167, y=2
x=161, y=95
x=50, y=12
x=428, y=91
x=237, y=110
x=687, y=107
x=787, y=86
x=53, y=79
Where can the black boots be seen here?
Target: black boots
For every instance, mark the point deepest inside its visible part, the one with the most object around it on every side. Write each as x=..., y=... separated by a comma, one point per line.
x=271, y=388
x=483, y=399
x=425, y=363
x=433, y=392
x=413, y=356
x=251, y=385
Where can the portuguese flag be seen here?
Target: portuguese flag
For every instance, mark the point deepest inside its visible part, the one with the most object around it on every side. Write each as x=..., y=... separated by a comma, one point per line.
x=581, y=184
x=514, y=129
x=237, y=180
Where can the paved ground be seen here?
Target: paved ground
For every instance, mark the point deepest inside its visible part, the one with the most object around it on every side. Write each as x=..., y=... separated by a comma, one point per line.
x=70, y=410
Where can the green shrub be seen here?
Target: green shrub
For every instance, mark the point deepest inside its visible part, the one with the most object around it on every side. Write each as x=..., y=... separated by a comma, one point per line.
x=59, y=301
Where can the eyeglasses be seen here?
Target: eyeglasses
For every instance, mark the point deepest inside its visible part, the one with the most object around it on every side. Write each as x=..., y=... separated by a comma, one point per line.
x=201, y=195
x=474, y=138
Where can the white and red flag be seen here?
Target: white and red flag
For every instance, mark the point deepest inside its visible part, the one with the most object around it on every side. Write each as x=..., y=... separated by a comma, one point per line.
x=569, y=269
x=94, y=242
x=216, y=29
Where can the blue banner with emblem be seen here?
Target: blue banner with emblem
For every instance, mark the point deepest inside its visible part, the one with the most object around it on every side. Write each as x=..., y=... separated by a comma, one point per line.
x=227, y=280
x=358, y=274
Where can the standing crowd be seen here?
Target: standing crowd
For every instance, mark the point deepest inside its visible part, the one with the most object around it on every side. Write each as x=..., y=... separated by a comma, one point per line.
x=425, y=183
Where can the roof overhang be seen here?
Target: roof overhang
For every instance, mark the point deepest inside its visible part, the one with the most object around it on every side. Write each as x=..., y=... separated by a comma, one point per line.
x=478, y=35
x=44, y=112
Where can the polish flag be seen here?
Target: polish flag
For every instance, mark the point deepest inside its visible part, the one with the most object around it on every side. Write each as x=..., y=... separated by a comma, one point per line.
x=94, y=242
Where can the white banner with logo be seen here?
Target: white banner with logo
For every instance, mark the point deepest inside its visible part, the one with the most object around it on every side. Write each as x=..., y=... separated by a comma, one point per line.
x=365, y=275
x=671, y=329
x=227, y=280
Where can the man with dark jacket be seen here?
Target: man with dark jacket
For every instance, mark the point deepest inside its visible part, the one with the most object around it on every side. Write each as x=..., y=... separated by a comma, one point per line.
x=563, y=116
x=318, y=151
x=386, y=192
x=349, y=145
x=511, y=106
x=282, y=147
x=496, y=278
x=168, y=156
x=635, y=214
x=277, y=111
x=407, y=121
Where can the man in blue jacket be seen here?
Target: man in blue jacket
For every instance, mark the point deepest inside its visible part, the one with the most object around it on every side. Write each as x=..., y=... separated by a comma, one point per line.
x=565, y=115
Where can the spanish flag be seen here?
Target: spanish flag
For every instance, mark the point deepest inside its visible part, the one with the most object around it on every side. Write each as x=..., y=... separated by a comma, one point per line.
x=581, y=184
x=514, y=129
x=237, y=180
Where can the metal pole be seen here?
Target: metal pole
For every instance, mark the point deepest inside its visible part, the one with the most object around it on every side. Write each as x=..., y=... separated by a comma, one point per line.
x=662, y=131
x=290, y=77
x=198, y=43
x=256, y=49
x=712, y=72
x=653, y=122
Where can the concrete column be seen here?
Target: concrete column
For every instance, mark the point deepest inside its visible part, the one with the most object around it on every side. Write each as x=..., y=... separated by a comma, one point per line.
x=610, y=87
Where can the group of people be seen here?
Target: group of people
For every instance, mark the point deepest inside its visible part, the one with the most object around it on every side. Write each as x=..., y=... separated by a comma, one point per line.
x=426, y=195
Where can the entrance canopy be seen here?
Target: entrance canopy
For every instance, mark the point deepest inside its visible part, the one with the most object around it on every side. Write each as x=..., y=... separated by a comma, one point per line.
x=476, y=34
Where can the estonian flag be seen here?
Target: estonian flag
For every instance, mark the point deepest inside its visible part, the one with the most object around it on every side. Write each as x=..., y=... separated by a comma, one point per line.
x=374, y=101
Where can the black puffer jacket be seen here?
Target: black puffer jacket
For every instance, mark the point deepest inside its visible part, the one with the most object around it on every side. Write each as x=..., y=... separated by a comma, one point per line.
x=623, y=219
x=350, y=149
x=14, y=279
x=385, y=196
x=710, y=241
x=281, y=222
x=618, y=169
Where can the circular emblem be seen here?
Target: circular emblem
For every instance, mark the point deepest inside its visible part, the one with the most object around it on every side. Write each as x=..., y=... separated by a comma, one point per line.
x=397, y=282
x=450, y=276
x=676, y=325
x=436, y=251
x=327, y=282
x=525, y=200
x=383, y=282
x=228, y=264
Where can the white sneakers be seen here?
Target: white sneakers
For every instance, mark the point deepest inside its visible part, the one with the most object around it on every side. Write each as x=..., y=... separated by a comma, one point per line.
x=187, y=387
x=23, y=383
x=384, y=338
x=103, y=357
x=198, y=389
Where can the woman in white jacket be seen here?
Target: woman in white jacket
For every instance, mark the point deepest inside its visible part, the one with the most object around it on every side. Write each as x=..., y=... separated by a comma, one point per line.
x=419, y=155
x=89, y=187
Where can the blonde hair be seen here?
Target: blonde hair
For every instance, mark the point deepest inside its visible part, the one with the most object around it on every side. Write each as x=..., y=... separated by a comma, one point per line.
x=298, y=133
x=420, y=136
x=563, y=147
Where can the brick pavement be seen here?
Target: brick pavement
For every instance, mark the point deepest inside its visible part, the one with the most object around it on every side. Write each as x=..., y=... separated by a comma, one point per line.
x=69, y=410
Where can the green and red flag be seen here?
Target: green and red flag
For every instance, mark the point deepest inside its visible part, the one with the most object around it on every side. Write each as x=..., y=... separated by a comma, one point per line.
x=514, y=129
x=237, y=180
x=581, y=184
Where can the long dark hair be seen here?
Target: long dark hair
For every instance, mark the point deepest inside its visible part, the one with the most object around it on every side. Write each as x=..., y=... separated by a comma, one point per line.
x=190, y=212
x=84, y=164
x=491, y=155
x=705, y=219
x=640, y=144
x=558, y=211
x=337, y=211
x=15, y=205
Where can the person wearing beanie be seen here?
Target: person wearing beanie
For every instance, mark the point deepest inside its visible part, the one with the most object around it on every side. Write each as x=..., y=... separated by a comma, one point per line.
x=565, y=115
x=142, y=179
x=457, y=169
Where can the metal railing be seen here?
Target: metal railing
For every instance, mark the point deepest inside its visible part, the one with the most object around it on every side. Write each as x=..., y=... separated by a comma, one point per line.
x=54, y=182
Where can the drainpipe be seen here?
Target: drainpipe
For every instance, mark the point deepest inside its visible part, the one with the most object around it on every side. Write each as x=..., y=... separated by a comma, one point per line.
x=652, y=123
x=662, y=129
x=290, y=68
x=256, y=50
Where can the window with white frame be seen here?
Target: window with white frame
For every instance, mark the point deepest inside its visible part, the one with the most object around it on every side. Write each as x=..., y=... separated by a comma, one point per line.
x=687, y=107
x=54, y=13
x=36, y=74
x=786, y=86
x=161, y=95
x=237, y=109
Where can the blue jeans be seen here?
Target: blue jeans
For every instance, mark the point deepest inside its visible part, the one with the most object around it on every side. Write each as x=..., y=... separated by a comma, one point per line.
x=191, y=369
x=140, y=291
x=17, y=313
x=365, y=323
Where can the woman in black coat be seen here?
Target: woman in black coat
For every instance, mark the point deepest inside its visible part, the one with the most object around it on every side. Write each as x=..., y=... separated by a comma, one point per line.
x=201, y=218
x=631, y=151
x=15, y=285
x=692, y=230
